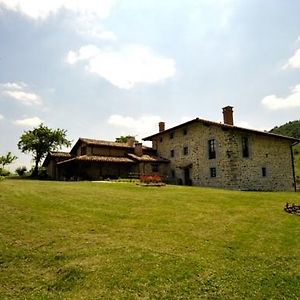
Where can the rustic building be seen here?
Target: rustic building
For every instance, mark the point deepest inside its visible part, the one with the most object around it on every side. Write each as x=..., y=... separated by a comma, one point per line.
x=206, y=153
x=197, y=152
x=91, y=159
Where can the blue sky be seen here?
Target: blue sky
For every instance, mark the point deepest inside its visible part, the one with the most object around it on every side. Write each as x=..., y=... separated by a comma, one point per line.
x=104, y=68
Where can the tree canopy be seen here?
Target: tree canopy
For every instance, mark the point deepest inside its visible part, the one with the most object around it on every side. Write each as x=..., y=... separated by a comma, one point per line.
x=7, y=159
x=124, y=138
x=40, y=141
x=291, y=129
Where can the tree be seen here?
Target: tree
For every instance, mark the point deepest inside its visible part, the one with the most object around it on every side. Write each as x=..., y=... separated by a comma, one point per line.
x=124, y=138
x=21, y=170
x=40, y=141
x=7, y=159
x=291, y=128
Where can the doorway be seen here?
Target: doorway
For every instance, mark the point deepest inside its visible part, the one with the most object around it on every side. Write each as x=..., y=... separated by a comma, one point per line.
x=187, y=176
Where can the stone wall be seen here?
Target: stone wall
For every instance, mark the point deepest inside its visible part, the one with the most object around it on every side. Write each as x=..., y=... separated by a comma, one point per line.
x=233, y=171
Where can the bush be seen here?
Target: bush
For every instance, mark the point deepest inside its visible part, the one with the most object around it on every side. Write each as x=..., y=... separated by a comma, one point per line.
x=150, y=179
x=21, y=171
x=42, y=174
x=4, y=172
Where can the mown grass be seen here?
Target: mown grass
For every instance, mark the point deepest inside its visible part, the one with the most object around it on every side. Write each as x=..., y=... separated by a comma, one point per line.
x=120, y=241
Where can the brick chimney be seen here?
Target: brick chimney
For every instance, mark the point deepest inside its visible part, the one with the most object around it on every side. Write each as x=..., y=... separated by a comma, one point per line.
x=161, y=126
x=138, y=149
x=228, y=115
x=130, y=141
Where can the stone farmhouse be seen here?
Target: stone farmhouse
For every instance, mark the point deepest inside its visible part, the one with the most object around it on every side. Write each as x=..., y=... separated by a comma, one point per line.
x=198, y=152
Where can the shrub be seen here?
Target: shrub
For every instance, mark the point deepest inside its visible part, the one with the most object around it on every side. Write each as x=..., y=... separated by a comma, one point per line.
x=21, y=170
x=42, y=173
x=4, y=172
x=150, y=179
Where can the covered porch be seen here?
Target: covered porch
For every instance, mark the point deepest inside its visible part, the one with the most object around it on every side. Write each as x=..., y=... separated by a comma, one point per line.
x=95, y=168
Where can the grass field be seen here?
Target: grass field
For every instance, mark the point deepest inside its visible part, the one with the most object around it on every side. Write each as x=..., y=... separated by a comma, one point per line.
x=88, y=240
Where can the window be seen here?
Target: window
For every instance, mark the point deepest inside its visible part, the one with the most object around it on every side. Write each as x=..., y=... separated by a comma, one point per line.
x=264, y=172
x=184, y=131
x=185, y=150
x=155, y=167
x=172, y=153
x=245, y=146
x=213, y=172
x=211, y=149
x=171, y=135
x=83, y=150
x=160, y=139
x=172, y=173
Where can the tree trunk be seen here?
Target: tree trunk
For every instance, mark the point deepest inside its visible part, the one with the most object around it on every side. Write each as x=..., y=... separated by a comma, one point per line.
x=35, y=171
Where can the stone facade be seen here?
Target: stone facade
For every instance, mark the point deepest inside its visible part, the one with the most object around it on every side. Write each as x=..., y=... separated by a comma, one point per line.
x=198, y=152
x=243, y=159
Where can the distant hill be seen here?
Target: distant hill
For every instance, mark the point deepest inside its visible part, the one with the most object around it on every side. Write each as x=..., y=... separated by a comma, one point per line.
x=291, y=128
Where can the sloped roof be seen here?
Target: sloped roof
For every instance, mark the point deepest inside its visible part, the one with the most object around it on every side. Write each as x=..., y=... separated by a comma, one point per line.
x=56, y=154
x=94, y=158
x=223, y=126
x=60, y=154
x=148, y=158
x=104, y=143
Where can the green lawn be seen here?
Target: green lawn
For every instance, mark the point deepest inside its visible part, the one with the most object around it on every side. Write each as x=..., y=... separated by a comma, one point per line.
x=85, y=240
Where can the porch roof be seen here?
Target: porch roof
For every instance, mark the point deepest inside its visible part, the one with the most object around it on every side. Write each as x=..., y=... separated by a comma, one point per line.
x=56, y=154
x=93, y=158
x=148, y=158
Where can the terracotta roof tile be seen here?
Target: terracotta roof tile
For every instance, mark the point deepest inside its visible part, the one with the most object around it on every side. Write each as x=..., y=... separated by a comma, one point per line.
x=60, y=154
x=112, y=159
x=222, y=125
x=104, y=143
x=148, y=158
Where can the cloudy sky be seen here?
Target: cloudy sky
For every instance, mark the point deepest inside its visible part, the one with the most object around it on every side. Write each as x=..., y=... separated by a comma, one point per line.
x=105, y=68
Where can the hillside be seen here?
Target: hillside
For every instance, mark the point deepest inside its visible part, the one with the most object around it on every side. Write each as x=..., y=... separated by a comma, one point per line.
x=292, y=129
x=84, y=240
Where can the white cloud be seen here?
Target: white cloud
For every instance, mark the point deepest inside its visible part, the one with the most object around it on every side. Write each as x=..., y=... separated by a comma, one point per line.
x=84, y=14
x=21, y=92
x=101, y=33
x=294, y=61
x=35, y=121
x=126, y=66
x=291, y=101
x=1, y=117
x=141, y=126
x=37, y=9
x=84, y=53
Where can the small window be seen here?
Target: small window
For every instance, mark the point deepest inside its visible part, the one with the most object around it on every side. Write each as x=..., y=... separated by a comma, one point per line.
x=172, y=173
x=83, y=150
x=264, y=172
x=211, y=149
x=155, y=167
x=171, y=135
x=213, y=172
x=184, y=131
x=172, y=153
x=160, y=139
x=185, y=150
x=245, y=146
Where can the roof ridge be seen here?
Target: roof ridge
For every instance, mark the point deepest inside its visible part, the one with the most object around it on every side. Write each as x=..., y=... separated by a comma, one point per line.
x=224, y=126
